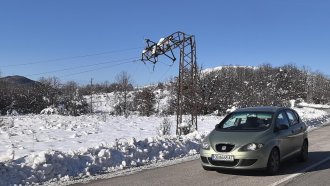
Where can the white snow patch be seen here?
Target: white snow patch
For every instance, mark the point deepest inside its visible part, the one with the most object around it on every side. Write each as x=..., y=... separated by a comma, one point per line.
x=49, y=110
x=230, y=110
x=36, y=149
x=209, y=70
x=310, y=105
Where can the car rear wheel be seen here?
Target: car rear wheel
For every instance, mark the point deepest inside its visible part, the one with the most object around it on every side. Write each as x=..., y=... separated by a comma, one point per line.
x=273, y=164
x=303, y=156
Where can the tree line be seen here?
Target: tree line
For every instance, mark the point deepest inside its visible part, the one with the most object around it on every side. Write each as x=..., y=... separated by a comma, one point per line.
x=217, y=90
x=260, y=86
x=33, y=97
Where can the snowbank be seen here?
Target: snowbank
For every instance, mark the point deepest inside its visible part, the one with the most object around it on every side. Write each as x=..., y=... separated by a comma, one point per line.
x=50, y=148
x=55, y=165
x=313, y=117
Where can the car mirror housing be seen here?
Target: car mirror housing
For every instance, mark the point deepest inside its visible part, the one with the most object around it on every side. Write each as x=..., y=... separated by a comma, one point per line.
x=281, y=127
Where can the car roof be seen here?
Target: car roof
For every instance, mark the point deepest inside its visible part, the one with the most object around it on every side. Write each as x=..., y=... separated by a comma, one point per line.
x=261, y=109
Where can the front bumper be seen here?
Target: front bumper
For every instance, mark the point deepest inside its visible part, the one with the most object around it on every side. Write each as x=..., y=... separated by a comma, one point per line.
x=242, y=160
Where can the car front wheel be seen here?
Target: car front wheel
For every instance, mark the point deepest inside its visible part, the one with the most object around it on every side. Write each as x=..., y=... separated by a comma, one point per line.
x=303, y=157
x=273, y=164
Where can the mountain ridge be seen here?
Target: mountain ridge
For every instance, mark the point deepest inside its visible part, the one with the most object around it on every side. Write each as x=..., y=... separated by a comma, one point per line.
x=19, y=80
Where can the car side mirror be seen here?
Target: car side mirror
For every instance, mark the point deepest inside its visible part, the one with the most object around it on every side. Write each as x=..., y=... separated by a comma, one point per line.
x=282, y=127
x=217, y=126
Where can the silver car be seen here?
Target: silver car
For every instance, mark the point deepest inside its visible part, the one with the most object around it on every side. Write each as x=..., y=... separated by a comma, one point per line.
x=255, y=138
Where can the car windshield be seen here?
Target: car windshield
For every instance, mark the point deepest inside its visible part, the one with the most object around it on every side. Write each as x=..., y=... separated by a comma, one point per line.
x=247, y=121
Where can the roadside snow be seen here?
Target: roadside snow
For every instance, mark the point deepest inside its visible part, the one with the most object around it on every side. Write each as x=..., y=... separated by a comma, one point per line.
x=39, y=148
x=313, y=117
x=50, y=148
x=35, y=133
x=56, y=165
x=304, y=104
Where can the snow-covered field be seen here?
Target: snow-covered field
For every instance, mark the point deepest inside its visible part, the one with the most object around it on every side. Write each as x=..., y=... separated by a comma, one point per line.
x=39, y=148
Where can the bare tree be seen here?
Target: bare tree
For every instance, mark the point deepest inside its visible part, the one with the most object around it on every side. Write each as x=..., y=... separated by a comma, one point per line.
x=51, y=88
x=51, y=82
x=124, y=85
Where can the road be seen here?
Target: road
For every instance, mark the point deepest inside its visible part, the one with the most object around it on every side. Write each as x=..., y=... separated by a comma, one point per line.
x=316, y=176
x=314, y=172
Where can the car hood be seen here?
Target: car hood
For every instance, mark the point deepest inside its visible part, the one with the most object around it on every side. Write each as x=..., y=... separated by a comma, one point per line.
x=236, y=138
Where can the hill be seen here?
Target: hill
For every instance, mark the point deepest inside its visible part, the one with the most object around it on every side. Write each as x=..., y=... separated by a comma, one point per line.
x=19, y=81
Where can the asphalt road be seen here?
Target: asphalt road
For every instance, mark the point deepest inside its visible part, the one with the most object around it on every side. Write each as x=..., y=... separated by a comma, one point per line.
x=314, y=172
x=317, y=176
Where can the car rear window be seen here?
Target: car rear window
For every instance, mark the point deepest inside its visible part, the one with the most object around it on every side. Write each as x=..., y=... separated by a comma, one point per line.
x=249, y=121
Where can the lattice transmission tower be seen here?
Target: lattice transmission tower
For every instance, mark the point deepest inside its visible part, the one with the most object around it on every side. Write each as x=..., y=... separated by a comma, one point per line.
x=188, y=75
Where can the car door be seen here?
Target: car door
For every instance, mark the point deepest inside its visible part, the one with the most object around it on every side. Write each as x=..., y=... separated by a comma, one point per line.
x=297, y=130
x=284, y=136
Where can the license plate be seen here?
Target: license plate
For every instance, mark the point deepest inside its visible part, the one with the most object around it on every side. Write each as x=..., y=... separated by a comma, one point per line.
x=222, y=157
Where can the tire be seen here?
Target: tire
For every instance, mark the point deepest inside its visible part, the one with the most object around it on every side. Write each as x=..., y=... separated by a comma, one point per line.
x=303, y=156
x=273, y=164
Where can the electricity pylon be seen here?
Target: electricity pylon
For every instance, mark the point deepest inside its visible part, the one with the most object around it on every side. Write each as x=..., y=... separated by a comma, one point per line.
x=187, y=79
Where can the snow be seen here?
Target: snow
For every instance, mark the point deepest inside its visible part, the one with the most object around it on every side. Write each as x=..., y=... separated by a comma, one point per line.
x=160, y=42
x=319, y=106
x=105, y=102
x=51, y=148
x=292, y=103
x=218, y=68
x=49, y=110
x=41, y=147
x=232, y=109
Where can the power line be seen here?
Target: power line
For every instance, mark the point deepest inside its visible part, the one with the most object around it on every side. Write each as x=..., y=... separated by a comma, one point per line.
x=83, y=66
x=163, y=75
x=67, y=58
x=100, y=68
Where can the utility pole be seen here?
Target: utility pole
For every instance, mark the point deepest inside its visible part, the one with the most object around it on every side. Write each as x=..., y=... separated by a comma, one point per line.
x=188, y=75
x=91, y=91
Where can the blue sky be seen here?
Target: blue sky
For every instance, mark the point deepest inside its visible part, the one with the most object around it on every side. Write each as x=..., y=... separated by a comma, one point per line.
x=79, y=39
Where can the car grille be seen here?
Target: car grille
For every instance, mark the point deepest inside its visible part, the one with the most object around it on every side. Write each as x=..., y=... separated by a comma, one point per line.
x=224, y=147
x=224, y=163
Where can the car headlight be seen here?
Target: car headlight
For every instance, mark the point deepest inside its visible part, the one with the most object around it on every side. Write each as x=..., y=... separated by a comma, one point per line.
x=252, y=147
x=205, y=145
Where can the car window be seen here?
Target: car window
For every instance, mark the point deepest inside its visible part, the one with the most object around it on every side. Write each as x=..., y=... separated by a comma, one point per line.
x=282, y=119
x=292, y=117
x=297, y=116
x=247, y=121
